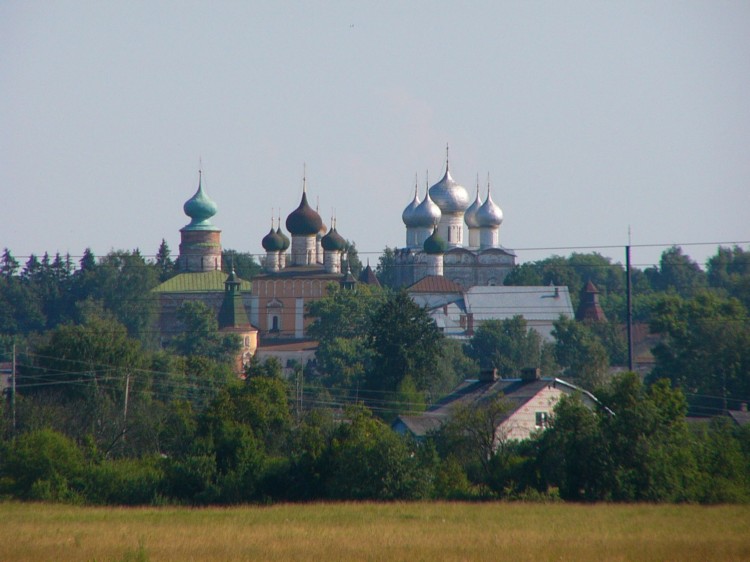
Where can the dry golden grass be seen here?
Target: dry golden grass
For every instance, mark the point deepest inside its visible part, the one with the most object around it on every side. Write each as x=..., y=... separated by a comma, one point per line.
x=367, y=531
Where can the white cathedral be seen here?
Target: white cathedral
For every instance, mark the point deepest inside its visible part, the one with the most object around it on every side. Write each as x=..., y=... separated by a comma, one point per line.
x=435, y=241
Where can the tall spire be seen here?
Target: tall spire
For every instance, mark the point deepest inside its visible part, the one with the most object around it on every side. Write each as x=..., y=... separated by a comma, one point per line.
x=304, y=177
x=447, y=156
x=488, y=184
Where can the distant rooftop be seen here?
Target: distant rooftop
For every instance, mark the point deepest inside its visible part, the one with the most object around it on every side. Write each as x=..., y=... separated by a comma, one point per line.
x=435, y=284
x=199, y=282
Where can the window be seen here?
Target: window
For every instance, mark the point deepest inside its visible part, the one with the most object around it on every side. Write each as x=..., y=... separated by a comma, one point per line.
x=275, y=324
x=542, y=419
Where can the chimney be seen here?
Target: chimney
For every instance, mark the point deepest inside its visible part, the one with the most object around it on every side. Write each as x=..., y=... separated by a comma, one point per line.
x=531, y=374
x=488, y=375
x=743, y=407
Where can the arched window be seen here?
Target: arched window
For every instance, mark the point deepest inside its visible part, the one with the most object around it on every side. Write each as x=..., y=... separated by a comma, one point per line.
x=275, y=324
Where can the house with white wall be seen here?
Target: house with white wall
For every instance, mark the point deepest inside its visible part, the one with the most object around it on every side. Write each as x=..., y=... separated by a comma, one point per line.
x=530, y=403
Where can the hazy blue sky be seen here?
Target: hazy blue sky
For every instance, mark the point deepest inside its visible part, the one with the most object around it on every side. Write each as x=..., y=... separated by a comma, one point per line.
x=588, y=116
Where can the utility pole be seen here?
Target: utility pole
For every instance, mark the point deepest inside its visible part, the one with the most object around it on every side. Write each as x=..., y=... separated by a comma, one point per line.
x=13, y=389
x=125, y=408
x=630, y=305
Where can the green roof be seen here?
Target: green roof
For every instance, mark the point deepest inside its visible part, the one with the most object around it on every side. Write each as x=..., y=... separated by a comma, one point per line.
x=201, y=282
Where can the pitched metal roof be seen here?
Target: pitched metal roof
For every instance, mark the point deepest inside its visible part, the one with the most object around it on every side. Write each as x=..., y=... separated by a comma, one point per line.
x=199, y=282
x=368, y=277
x=542, y=303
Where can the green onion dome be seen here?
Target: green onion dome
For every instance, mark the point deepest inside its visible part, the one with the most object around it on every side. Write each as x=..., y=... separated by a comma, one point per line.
x=333, y=241
x=272, y=242
x=435, y=244
x=284, y=238
x=200, y=208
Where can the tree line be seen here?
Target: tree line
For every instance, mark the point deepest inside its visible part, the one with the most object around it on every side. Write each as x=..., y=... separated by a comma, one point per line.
x=106, y=415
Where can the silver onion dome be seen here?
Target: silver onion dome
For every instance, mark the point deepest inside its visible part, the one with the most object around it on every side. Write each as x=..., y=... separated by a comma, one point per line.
x=427, y=213
x=489, y=214
x=449, y=195
x=470, y=216
x=408, y=215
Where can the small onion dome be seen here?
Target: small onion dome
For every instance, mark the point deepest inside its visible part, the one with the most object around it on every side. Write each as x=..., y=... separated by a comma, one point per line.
x=284, y=239
x=435, y=244
x=200, y=208
x=232, y=278
x=426, y=214
x=470, y=216
x=272, y=242
x=304, y=221
x=408, y=215
x=333, y=241
x=450, y=196
x=489, y=214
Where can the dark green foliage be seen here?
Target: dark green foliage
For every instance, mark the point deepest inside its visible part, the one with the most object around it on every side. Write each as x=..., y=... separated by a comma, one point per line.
x=386, y=268
x=506, y=345
x=200, y=334
x=367, y=460
x=677, y=273
x=80, y=360
x=123, y=282
x=472, y=436
x=706, y=349
x=405, y=343
x=350, y=260
x=729, y=270
x=580, y=353
x=163, y=262
x=124, y=481
x=41, y=465
x=572, y=454
x=243, y=263
x=573, y=272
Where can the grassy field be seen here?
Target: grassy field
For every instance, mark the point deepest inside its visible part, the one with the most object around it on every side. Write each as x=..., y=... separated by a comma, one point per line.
x=367, y=531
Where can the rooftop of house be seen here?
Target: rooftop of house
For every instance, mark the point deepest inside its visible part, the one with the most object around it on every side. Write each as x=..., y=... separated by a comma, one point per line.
x=435, y=284
x=516, y=392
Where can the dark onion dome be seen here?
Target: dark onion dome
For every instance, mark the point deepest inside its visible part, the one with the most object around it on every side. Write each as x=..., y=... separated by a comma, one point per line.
x=408, y=215
x=470, y=216
x=272, y=242
x=435, y=244
x=426, y=214
x=333, y=241
x=304, y=221
x=489, y=214
x=200, y=208
x=284, y=239
x=449, y=195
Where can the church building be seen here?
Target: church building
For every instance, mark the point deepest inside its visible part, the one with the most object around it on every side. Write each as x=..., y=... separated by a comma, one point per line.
x=293, y=279
x=200, y=278
x=476, y=259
